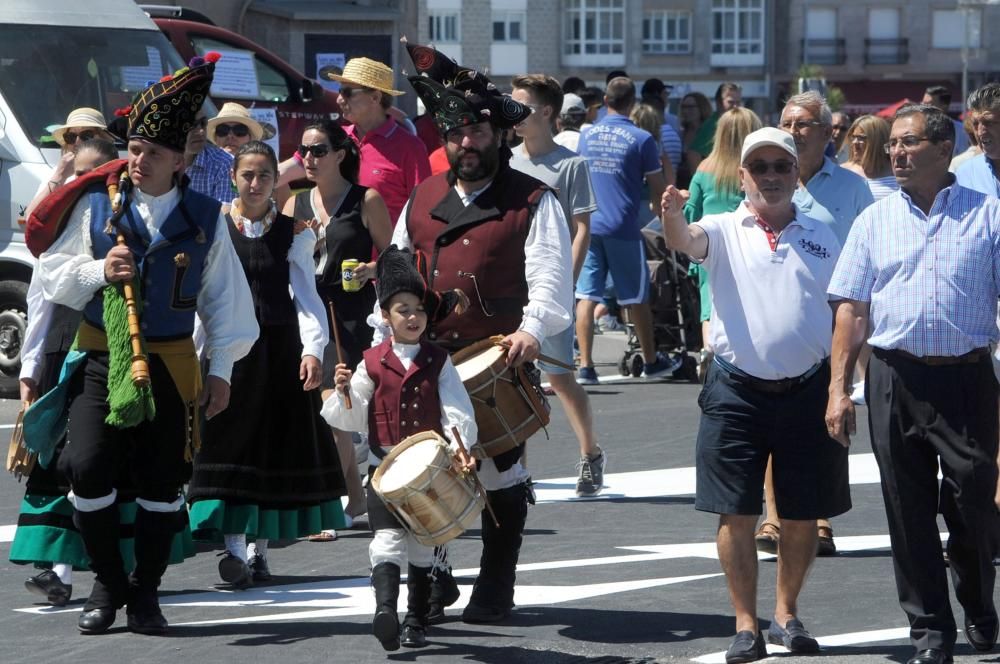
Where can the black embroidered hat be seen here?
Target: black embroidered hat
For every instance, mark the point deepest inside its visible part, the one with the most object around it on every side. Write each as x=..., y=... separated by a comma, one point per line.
x=456, y=96
x=404, y=271
x=166, y=110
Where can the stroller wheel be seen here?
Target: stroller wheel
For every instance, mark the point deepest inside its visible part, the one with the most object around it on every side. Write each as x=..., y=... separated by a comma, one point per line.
x=637, y=365
x=623, y=368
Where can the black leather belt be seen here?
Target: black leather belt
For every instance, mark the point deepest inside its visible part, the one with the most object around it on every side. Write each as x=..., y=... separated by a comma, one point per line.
x=780, y=386
x=974, y=356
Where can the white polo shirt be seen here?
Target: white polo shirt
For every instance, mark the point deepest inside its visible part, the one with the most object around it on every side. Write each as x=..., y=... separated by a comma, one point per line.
x=770, y=313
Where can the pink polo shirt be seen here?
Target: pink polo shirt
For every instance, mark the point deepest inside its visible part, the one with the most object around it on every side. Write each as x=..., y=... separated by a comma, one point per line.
x=393, y=162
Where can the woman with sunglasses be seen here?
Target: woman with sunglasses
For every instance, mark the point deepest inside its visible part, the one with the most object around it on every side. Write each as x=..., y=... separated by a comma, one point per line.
x=715, y=188
x=267, y=469
x=350, y=221
x=233, y=128
x=866, y=140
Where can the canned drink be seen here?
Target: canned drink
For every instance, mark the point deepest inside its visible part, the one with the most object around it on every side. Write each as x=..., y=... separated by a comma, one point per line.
x=347, y=280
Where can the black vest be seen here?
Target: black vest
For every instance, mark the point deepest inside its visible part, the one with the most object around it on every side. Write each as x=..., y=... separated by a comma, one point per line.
x=265, y=263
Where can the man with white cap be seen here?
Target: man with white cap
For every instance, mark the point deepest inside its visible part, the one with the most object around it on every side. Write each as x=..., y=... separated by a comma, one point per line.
x=765, y=395
x=572, y=115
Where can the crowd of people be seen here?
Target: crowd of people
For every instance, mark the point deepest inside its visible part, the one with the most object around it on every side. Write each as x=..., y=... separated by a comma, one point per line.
x=297, y=309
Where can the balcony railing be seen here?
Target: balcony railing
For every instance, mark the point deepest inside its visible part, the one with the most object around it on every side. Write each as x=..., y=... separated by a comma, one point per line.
x=824, y=52
x=887, y=51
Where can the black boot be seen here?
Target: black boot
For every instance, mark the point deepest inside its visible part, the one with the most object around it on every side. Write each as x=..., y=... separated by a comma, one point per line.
x=154, y=534
x=493, y=594
x=385, y=625
x=100, y=533
x=444, y=593
x=418, y=589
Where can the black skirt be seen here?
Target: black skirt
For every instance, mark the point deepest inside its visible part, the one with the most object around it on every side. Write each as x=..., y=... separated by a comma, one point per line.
x=270, y=447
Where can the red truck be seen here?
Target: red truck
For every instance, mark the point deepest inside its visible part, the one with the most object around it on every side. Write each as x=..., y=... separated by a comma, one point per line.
x=252, y=76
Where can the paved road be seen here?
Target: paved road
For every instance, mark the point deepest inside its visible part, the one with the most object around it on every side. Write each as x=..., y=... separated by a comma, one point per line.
x=629, y=577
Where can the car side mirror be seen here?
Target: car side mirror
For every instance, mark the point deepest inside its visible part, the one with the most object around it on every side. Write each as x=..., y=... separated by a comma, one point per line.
x=308, y=89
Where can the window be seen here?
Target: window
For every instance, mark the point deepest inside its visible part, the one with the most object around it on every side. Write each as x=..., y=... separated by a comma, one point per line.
x=594, y=32
x=237, y=79
x=666, y=32
x=444, y=27
x=508, y=26
x=950, y=31
x=737, y=32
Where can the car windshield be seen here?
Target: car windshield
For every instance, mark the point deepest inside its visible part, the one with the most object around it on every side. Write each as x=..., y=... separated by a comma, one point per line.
x=47, y=72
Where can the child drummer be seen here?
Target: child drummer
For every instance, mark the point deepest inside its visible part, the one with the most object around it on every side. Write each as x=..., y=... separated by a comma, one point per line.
x=403, y=386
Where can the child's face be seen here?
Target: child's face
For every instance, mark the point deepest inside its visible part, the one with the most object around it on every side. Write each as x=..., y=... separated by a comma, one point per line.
x=406, y=316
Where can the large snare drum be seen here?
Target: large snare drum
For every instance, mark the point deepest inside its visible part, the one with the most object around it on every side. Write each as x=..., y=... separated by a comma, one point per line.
x=417, y=483
x=509, y=403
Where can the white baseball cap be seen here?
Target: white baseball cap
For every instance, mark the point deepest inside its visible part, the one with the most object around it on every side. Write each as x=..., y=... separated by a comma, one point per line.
x=768, y=136
x=572, y=104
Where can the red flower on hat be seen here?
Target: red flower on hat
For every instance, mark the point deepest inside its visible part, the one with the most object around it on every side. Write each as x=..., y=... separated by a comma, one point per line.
x=123, y=111
x=213, y=56
x=168, y=77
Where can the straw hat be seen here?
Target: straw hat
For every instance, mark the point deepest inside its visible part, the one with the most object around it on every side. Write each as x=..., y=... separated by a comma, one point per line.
x=238, y=114
x=365, y=73
x=80, y=117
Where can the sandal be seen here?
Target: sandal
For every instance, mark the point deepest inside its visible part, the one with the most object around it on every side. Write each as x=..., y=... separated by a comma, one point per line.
x=824, y=542
x=323, y=536
x=766, y=537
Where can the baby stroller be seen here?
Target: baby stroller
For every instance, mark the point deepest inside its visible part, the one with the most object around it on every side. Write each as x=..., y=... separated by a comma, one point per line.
x=675, y=304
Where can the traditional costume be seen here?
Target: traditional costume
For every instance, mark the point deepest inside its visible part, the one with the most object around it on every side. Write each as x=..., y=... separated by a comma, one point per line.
x=185, y=264
x=507, y=245
x=268, y=468
x=397, y=390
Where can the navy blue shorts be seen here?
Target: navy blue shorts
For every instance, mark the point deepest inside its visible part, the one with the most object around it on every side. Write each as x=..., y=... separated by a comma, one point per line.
x=742, y=426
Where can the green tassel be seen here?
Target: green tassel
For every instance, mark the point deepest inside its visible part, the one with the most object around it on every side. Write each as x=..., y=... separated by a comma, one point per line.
x=129, y=405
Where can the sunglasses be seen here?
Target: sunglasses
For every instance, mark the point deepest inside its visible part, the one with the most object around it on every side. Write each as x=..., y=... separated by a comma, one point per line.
x=237, y=130
x=71, y=136
x=317, y=151
x=782, y=167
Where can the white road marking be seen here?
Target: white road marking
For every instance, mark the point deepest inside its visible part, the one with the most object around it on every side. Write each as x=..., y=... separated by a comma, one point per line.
x=853, y=638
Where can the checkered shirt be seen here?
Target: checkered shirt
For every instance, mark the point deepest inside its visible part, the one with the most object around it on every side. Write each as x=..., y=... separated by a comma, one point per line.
x=210, y=174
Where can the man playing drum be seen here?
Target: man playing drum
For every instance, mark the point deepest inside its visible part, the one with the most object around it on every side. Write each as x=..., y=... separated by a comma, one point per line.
x=500, y=236
x=402, y=376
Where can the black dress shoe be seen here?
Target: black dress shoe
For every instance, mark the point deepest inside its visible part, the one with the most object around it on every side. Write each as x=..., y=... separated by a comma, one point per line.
x=982, y=634
x=258, y=568
x=96, y=621
x=931, y=656
x=413, y=637
x=50, y=586
x=152, y=623
x=746, y=647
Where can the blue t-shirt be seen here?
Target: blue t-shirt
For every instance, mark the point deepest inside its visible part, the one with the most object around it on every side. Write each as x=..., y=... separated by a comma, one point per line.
x=619, y=155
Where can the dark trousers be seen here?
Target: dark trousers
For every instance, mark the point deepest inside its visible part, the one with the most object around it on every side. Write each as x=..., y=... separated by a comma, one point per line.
x=922, y=417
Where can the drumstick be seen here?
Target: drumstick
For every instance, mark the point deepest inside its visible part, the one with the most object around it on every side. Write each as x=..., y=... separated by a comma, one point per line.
x=475, y=478
x=340, y=353
x=498, y=340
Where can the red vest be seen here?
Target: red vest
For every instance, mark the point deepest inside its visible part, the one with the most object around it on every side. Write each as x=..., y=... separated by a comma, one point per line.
x=404, y=402
x=484, y=239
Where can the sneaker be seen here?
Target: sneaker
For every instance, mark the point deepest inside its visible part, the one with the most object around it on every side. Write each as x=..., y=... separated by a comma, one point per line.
x=858, y=393
x=587, y=376
x=609, y=323
x=257, y=564
x=663, y=367
x=591, y=479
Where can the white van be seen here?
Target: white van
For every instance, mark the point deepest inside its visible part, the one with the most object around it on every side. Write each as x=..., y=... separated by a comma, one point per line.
x=57, y=55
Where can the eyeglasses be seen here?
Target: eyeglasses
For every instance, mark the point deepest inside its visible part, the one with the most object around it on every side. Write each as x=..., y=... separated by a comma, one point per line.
x=71, y=136
x=318, y=150
x=905, y=143
x=238, y=130
x=780, y=167
x=800, y=125
x=347, y=93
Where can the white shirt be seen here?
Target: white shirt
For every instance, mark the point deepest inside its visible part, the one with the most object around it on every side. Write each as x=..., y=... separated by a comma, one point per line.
x=770, y=312
x=70, y=275
x=39, y=320
x=313, y=329
x=568, y=139
x=456, y=406
x=547, y=268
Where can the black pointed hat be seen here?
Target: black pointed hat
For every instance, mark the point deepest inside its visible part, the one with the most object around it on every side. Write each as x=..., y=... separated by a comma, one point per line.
x=404, y=271
x=165, y=111
x=456, y=96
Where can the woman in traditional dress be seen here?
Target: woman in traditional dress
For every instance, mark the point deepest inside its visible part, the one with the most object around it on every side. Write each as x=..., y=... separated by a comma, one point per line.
x=352, y=222
x=267, y=467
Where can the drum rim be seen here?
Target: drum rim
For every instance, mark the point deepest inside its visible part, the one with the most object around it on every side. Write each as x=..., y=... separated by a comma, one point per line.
x=398, y=449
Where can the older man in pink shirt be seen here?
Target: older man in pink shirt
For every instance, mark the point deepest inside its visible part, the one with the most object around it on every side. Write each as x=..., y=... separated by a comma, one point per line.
x=393, y=159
